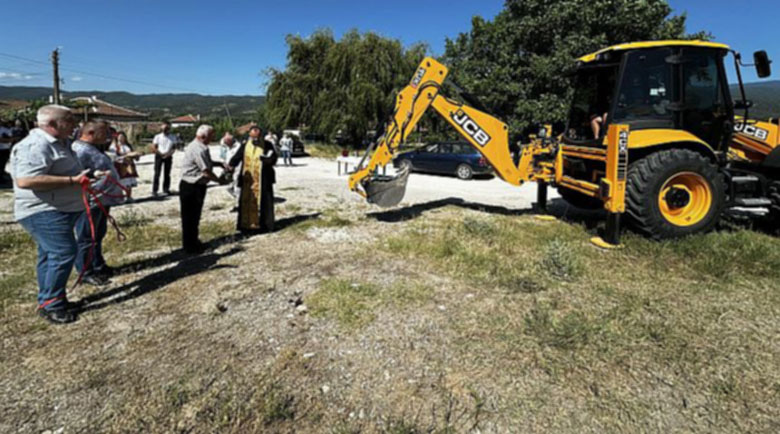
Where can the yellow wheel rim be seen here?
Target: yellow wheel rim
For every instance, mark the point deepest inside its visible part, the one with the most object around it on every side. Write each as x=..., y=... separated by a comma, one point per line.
x=685, y=199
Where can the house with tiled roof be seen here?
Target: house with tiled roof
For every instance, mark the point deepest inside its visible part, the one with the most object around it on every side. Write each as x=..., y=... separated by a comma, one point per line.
x=184, y=121
x=91, y=107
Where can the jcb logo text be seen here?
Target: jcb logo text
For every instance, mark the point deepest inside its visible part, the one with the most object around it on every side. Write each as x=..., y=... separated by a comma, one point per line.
x=471, y=128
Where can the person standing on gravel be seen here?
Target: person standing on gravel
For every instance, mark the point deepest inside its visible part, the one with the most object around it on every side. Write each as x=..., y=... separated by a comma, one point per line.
x=228, y=147
x=256, y=201
x=285, y=147
x=196, y=172
x=89, y=261
x=47, y=202
x=163, y=146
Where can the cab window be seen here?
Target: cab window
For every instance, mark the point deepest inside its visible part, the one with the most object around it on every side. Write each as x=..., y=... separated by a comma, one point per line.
x=645, y=92
x=704, y=108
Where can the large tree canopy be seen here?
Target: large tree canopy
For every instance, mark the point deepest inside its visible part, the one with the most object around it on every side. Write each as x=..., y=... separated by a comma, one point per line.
x=346, y=85
x=516, y=63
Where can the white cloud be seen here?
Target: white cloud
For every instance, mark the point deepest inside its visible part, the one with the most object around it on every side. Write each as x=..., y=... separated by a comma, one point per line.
x=76, y=78
x=14, y=76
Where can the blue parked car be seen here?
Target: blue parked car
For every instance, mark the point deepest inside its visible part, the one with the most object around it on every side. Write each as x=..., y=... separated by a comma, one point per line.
x=451, y=158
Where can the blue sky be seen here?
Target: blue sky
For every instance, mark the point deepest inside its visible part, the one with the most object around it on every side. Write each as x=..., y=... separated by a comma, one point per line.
x=220, y=47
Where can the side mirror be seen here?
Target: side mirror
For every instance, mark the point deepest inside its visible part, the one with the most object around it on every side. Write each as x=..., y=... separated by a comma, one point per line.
x=742, y=105
x=761, y=59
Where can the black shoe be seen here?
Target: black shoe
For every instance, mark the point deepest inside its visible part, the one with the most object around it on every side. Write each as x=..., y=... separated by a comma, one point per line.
x=57, y=316
x=96, y=280
x=73, y=306
x=106, y=271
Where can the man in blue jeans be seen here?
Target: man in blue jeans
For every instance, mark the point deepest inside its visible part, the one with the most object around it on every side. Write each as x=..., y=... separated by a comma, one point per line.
x=47, y=202
x=94, y=135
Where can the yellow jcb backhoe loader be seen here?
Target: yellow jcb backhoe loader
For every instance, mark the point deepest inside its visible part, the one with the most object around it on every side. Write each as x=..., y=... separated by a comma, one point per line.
x=651, y=135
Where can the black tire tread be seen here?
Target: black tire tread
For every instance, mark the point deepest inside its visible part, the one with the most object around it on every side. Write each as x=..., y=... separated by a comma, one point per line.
x=641, y=180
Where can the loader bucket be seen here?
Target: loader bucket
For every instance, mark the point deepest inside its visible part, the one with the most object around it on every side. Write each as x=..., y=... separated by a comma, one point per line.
x=387, y=191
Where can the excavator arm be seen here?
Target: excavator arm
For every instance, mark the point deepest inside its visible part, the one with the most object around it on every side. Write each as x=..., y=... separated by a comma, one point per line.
x=487, y=134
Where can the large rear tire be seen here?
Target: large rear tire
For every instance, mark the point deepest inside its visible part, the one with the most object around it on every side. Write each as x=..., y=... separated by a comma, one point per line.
x=674, y=193
x=774, y=209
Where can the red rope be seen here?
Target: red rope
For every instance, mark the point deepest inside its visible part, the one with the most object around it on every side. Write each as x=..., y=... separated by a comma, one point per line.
x=86, y=192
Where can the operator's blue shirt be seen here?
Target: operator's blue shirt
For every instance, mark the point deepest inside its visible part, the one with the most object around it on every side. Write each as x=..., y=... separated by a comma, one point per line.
x=91, y=157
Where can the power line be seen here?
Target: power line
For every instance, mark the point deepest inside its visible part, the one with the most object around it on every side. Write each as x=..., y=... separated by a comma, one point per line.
x=13, y=56
x=108, y=77
x=128, y=80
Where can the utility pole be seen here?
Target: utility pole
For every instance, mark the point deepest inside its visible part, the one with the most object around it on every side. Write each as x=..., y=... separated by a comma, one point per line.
x=230, y=118
x=55, y=60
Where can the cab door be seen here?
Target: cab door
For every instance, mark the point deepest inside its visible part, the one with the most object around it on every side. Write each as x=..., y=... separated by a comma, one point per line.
x=706, y=106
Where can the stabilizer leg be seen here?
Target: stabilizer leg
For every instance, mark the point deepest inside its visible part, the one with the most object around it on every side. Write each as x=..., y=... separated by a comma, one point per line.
x=541, y=197
x=610, y=236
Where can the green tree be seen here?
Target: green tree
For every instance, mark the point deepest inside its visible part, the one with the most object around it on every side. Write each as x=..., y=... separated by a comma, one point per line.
x=517, y=63
x=346, y=86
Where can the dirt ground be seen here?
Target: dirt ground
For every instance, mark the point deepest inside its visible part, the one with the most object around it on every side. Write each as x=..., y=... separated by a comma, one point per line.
x=349, y=318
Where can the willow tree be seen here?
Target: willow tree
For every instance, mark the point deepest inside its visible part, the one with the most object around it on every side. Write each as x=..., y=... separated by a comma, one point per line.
x=517, y=62
x=331, y=86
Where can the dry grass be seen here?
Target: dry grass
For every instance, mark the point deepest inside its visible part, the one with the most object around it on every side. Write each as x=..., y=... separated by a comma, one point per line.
x=690, y=326
x=457, y=321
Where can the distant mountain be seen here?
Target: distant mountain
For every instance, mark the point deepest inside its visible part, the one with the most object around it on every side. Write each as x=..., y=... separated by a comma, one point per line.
x=765, y=96
x=157, y=105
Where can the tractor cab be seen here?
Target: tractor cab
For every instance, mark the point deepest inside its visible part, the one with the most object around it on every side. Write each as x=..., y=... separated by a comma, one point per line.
x=668, y=86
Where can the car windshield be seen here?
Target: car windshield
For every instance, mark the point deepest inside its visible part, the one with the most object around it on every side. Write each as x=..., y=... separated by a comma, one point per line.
x=594, y=88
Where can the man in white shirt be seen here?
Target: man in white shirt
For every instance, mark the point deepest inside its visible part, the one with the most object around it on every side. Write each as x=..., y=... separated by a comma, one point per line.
x=163, y=147
x=286, y=147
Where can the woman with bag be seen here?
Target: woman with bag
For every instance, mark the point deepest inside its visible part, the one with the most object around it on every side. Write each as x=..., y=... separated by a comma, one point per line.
x=124, y=160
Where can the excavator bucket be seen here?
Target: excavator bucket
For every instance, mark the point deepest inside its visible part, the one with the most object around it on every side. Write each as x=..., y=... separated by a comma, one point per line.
x=387, y=191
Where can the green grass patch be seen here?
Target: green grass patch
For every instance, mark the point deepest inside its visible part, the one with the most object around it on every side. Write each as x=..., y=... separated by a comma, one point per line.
x=328, y=219
x=133, y=218
x=355, y=304
x=17, y=279
x=494, y=252
x=323, y=150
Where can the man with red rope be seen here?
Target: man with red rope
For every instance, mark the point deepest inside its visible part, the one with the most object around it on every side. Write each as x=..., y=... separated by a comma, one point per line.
x=47, y=202
x=89, y=151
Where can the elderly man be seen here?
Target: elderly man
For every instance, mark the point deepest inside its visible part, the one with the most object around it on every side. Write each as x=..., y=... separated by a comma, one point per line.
x=196, y=172
x=163, y=146
x=90, y=262
x=47, y=202
x=228, y=147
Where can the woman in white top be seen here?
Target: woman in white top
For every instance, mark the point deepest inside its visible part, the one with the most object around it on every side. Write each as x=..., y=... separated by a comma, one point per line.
x=121, y=152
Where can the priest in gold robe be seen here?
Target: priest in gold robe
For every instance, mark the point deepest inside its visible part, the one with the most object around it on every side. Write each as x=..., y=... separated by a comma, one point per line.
x=257, y=158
